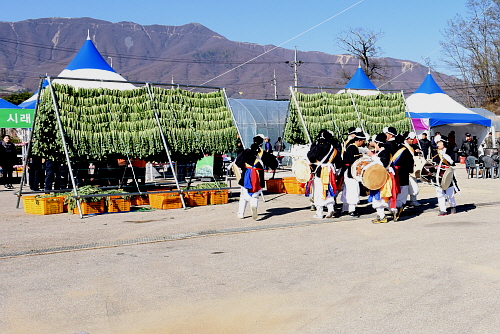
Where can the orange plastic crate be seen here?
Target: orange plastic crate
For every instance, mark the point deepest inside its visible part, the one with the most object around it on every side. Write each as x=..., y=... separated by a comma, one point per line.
x=118, y=205
x=65, y=206
x=139, y=200
x=292, y=186
x=89, y=208
x=197, y=198
x=165, y=201
x=275, y=186
x=219, y=197
x=43, y=206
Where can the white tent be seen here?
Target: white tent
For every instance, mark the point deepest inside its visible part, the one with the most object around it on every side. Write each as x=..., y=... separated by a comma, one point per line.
x=445, y=114
x=87, y=64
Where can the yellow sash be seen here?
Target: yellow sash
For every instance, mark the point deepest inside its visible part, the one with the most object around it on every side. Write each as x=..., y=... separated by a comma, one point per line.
x=443, y=160
x=325, y=174
x=259, y=155
x=397, y=154
x=408, y=146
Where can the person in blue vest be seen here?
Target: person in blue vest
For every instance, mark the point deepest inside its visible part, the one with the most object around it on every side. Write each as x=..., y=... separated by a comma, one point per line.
x=252, y=162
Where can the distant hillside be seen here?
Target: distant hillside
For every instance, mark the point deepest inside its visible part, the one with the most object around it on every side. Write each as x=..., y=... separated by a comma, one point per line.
x=190, y=54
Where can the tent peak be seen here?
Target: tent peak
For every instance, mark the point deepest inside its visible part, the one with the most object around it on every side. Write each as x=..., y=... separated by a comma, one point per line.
x=429, y=86
x=88, y=34
x=360, y=81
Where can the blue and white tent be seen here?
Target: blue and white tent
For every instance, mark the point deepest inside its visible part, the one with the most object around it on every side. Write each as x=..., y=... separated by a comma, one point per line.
x=429, y=101
x=7, y=105
x=87, y=64
x=31, y=102
x=360, y=84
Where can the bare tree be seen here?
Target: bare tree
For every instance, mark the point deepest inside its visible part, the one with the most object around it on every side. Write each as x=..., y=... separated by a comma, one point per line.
x=472, y=49
x=361, y=43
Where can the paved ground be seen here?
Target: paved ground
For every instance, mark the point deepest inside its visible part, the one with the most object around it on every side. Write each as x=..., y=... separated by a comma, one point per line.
x=202, y=270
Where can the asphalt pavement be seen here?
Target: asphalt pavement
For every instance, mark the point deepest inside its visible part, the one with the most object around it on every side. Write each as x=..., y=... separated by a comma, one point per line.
x=202, y=270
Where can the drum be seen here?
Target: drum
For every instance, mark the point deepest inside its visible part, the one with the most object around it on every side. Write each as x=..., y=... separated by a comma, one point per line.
x=301, y=170
x=447, y=177
x=372, y=175
x=418, y=164
x=435, y=175
x=358, y=166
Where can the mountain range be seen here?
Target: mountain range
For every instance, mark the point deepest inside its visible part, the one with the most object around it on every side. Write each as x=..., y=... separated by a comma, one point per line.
x=190, y=54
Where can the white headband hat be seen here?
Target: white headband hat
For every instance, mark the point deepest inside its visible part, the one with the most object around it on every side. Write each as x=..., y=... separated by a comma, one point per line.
x=411, y=135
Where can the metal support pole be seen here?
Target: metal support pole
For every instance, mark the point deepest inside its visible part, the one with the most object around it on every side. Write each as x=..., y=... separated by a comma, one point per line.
x=336, y=126
x=300, y=115
x=357, y=112
x=411, y=122
x=28, y=149
x=65, y=146
x=174, y=172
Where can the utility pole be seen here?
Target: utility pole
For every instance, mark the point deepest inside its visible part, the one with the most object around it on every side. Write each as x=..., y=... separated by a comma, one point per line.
x=296, y=63
x=275, y=84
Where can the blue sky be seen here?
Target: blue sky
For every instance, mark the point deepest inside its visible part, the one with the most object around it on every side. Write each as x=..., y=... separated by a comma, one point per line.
x=412, y=28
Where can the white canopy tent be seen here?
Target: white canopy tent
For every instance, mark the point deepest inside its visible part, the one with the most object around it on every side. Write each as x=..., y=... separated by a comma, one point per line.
x=445, y=114
x=87, y=64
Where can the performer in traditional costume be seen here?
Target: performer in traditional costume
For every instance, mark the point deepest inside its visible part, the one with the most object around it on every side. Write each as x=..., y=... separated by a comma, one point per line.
x=413, y=188
x=380, y=198
x=325, y=165
x=351, y=133
x=442, y=158
x=350, y=191
x=401, y=166
x=390, y=143
x=252, y=162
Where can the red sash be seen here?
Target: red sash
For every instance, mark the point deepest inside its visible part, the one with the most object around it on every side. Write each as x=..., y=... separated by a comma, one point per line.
x=395, y=190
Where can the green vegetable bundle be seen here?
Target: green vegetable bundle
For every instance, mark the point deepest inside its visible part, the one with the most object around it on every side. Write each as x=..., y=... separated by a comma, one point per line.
x=338, y=112
x=101, y=122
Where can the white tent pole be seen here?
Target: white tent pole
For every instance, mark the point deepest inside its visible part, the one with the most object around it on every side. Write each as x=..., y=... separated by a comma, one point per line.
x=300, y=115
x=28, y=149
x=357, y=113
x=493, y=137
x=65, y=146
x=165, y=144
x=411, y=121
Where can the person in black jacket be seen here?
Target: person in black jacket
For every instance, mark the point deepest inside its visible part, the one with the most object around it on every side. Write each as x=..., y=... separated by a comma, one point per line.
x=8, y=157
x=252, y=162
x=402, y=164
x=36, y=173
x=324, y=156
x=382, y=157
x=469, y=146
x=350, y=191
x=424, y=145
x=413, y=188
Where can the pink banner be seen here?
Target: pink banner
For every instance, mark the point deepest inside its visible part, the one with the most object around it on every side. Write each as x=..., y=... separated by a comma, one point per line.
x=420, y=123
